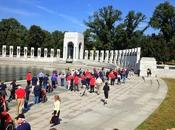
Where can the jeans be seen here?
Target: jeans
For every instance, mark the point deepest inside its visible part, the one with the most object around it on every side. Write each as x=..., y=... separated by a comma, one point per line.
x=36, y=99
x=62, y=82
x=45, y=85
x=26, y=105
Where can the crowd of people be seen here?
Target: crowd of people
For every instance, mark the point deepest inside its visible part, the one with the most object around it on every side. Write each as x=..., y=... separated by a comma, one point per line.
x=78, y=80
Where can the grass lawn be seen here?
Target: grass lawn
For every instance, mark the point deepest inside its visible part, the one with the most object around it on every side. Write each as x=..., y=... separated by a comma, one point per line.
x=164, y=116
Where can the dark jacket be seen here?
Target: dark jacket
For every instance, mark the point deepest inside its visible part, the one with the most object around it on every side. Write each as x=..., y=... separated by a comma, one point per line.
x=106, y=88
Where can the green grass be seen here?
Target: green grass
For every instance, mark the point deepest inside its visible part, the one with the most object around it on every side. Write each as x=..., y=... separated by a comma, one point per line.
x=164, y=116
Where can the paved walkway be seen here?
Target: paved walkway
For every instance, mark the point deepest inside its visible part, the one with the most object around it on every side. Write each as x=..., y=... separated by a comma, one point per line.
x=128, y=105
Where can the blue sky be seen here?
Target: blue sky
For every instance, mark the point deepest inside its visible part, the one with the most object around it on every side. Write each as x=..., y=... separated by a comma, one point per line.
x=68, y=15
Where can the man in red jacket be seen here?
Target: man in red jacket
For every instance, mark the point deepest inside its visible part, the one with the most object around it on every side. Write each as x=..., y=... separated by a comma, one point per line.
x=28, y=78
x=20, y=96
x=92, y=83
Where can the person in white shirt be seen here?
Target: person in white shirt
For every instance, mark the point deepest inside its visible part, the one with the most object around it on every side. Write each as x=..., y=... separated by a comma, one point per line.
x=56, y=113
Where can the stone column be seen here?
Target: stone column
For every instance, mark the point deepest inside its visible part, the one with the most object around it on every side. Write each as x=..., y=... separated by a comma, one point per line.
x=39, y=53
x=92, y=55
x=11, y=51
x=115, y=57
x=101, y=56
x=32, y=52
x=129, y=58
x=97, y=55
x=138, y=54
x=58, y=53
x=126, y=58
x=106, y=56
x=86, y=55
x=45, y=52
x=25, y=52
x=119, y=57
x=4, y=51
x=18, y=51
x=111, y=56
x=135, y=56
x=52, y=53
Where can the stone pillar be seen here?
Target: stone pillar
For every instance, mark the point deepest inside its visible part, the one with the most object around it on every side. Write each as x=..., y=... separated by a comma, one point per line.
x=4, y=51
x=45, y=52
x=125, y=57
x=97, y=55
x=58, y=53
x=25, y=52
x=101, y=56
x=91, y=55
x=119, y=57
x=115, y=57
x=138, y=55
x=135, y=57
x=106, y=56
x=32, y=52
x=52, y=53
x=18, y=51
x=11, y=51
x=129, y=58
x=132, y=58
x=86, y=55
x=39, y=53
x=111, y=56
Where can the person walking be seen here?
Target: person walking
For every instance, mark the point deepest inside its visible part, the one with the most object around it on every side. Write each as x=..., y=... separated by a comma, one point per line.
x=76, y=82
x=27, y=90
x=56, y=113
x=68, y=80
x=53, y=79
x=45, y=81
x=20, y=97
x=62, y=77
x=98, y=85
x=92, y=84
x=106, y=92
x=3, y=89
x=37, y=93
x=13, y=88
x=28, y=78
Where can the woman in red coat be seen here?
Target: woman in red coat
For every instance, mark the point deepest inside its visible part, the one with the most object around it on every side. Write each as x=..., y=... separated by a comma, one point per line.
x=92, y=83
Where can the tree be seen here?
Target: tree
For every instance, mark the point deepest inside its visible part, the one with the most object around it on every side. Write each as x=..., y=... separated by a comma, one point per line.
x=35, y=37
x=58, y=37
x=12, y=33
x=164, y=19
x=101, y=27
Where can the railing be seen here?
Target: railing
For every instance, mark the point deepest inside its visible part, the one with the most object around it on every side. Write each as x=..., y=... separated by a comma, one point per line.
x=166, y=67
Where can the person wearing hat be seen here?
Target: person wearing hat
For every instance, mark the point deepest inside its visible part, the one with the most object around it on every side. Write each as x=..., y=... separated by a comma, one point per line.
x=21, y=123
x=20, y=95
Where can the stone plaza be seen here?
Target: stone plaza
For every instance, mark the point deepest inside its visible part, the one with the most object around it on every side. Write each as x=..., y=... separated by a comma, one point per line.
x=129, y=104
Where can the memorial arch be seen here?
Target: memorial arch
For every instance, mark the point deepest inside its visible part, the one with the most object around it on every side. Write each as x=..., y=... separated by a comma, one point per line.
x=73, y=48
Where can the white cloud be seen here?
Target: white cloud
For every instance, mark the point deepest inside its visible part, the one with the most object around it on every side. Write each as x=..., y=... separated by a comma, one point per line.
x=46, y=9
x=72, y=19
x=17, y=11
